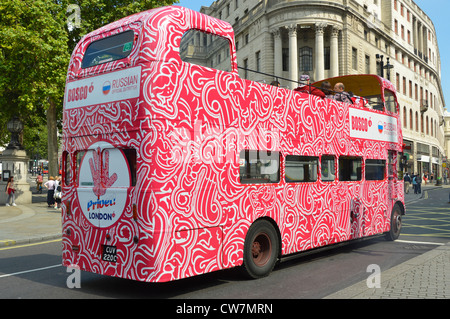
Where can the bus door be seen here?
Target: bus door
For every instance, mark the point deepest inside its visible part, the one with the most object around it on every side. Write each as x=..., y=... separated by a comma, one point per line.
x=392, y=175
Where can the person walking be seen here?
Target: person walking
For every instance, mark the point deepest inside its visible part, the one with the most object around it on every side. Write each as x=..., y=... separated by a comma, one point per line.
x=414, y=182
x=50, y=184
x=10, y=190
x=39, y=181
x=419, y=184
x=58, y=192
x=407, y=182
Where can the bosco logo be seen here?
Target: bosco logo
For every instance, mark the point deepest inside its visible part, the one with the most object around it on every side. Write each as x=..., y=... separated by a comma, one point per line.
x=79, y=93
x=361, y=124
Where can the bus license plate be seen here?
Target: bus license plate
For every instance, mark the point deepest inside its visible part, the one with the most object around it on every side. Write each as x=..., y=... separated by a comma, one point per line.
x=109, y=253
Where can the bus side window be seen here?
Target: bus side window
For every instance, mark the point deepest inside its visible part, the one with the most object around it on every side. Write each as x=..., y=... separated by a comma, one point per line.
x=328, y=168
x=130, y=154
x=76, y=170
x=375, y=170
x=301, y=169
x=390, y=102
x=259, y=167
x=350, y=168
x=205, y=49
x=67, y=169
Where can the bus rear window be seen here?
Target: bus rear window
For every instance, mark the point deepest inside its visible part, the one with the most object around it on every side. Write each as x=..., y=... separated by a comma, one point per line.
x=108, y=49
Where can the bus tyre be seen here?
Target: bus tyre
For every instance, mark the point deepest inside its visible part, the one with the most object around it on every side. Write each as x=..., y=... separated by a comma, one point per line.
x=261, y=249
x=396, y=224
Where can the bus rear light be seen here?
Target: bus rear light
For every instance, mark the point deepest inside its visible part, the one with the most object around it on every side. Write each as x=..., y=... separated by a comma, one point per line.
x=135, y=212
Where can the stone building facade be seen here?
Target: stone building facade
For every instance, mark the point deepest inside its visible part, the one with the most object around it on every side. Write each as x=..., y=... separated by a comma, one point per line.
x=288, y=38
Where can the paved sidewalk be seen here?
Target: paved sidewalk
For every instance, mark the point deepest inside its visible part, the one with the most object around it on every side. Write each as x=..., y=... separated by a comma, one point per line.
x=424, y=277
x=29, y=223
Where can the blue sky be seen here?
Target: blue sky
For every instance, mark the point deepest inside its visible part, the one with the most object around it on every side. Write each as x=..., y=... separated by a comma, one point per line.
x=435, y=9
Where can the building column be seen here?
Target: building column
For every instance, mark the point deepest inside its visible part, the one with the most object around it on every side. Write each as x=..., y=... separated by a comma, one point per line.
x=334, y=52
x=320, y=67
x=415, y=40
x=416, y=162
x=278, y=52
x=293, y=56
x=420, y=41
x=424, y=42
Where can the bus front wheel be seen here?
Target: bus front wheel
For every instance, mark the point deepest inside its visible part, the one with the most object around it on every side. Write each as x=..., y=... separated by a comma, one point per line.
x=261, y=249
x=396, y=224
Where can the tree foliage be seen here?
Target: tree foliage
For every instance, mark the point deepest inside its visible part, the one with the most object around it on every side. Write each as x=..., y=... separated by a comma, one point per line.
x=33, y=59
x=35, y=48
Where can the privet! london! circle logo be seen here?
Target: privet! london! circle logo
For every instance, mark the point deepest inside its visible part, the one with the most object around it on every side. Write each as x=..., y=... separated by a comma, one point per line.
x=103, y=183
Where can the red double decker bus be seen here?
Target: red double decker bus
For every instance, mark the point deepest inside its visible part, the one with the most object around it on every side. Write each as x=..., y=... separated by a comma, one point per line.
x=174, y=165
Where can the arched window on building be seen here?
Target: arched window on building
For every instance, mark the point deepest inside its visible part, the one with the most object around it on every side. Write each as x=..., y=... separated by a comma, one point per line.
x=411, y=121
x=421, y=124
x=431, y=128
x=405, y=120
x=306, y=59
x=417, y=122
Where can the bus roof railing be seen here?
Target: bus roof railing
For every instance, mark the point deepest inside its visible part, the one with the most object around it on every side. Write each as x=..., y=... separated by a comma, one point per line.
x=277, y=78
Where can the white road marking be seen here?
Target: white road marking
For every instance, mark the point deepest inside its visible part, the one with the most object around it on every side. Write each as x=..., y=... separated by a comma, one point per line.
x=419, y=242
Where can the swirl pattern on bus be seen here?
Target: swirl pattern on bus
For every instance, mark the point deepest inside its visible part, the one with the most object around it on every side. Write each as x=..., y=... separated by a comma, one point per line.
x=188, y=126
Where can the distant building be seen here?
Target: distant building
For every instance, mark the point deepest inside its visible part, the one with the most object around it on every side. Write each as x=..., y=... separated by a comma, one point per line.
x=324, y=39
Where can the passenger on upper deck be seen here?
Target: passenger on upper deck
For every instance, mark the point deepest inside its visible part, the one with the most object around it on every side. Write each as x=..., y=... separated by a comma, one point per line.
x=340, y=94
x=275, y=83
x=307, y=88
x=326, y=88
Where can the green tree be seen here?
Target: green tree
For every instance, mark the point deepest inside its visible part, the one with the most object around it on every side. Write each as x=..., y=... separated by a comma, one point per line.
x=35, y=48
x=33, y=56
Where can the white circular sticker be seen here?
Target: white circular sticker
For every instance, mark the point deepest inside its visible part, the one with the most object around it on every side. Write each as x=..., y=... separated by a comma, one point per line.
x=104, y=178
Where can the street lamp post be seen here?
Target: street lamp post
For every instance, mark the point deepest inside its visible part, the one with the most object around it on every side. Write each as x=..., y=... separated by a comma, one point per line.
x=388, y=68
x=15, y=127
x=383, y=66
x=381, y=63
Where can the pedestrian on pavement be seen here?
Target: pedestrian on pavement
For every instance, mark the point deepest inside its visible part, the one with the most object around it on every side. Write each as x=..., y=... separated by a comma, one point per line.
x=414, y=182
x=58, y=193
x=407, y=181
x=10, y=190
x=50, y=184
x=39, y=181
x=419, y=184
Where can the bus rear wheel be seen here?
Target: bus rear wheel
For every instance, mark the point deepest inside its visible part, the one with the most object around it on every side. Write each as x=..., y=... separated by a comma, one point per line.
x=261, y=249
x=396, y=224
